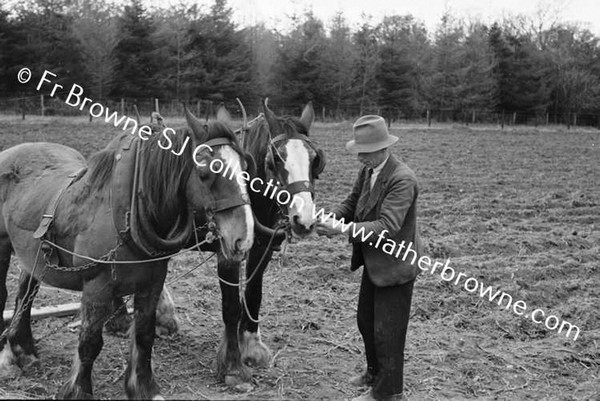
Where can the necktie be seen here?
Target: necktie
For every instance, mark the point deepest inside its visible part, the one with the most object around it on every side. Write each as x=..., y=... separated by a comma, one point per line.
x=366, y=190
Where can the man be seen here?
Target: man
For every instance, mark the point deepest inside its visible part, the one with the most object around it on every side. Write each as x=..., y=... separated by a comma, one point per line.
x=383, y=202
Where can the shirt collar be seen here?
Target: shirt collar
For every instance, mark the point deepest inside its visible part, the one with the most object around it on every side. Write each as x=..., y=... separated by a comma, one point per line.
x=380, y=166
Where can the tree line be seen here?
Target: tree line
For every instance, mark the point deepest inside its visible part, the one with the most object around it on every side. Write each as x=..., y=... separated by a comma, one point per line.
x=534, y=67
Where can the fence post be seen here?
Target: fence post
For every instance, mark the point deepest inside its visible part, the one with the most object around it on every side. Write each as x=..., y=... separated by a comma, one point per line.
x=209, y=109
x=514, y=121
x=156, y=105
x=122, y=106
x=473, y=117
x=575, y=119
x=323, y=114
x=502, y=121
x=428, y=118
x=42, y=105
x=547, y=118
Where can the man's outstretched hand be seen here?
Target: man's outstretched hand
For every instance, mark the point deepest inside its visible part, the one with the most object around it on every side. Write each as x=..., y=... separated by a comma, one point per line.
x=327, y=230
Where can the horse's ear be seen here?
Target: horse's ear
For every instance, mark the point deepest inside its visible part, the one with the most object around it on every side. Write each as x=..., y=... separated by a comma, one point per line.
x=198, y=127
x=223, y=115
x=308, y=115
x=274, y=126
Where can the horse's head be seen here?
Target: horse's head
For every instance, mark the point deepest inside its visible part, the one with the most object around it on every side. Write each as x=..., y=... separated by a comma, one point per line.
x=220, y=166
x=293, y=163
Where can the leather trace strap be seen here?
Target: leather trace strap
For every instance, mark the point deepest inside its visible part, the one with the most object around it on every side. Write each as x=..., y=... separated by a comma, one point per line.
x=48, y=216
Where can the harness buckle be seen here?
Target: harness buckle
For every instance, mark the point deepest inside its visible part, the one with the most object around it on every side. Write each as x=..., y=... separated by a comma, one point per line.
x=44, y=226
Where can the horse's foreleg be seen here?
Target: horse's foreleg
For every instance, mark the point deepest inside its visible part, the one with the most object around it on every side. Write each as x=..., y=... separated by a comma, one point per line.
x=139, y=379
x=254, y=351
x=8, y=361
x=229, y=364
x=21, y=338
x=95, y=308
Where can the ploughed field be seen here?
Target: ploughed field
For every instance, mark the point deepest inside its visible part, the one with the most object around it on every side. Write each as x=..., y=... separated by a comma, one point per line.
x=516, y=209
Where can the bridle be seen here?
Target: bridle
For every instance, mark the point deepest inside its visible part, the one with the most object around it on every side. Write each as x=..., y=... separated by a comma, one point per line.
x=295, y=187
x=229, y=202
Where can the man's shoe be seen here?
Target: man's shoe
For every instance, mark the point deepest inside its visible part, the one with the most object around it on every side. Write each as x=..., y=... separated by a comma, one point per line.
x=363, y=380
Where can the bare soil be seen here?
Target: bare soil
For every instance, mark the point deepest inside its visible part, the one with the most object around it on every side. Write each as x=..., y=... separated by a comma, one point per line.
x=518, y=209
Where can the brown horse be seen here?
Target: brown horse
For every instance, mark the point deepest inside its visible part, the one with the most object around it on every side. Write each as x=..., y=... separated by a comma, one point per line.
x=287, y=162
x=108, y=227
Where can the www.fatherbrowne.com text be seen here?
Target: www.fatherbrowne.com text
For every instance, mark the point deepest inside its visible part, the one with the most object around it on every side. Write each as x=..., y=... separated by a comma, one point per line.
x=403, y=250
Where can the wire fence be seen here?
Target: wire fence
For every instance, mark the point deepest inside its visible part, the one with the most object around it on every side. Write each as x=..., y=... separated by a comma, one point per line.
x=40, y=105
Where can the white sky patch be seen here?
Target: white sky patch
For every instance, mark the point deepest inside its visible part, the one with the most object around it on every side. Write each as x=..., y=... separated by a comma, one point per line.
x=277, y=13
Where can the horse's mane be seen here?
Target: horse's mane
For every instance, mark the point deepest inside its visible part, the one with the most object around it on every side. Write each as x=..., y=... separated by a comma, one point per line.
x=165, y=174
x=100, y=169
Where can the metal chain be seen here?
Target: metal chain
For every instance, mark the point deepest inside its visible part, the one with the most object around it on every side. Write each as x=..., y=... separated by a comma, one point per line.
x=108, y=258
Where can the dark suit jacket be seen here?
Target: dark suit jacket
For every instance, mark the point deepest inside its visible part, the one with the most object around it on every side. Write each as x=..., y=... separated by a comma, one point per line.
x=391, y=205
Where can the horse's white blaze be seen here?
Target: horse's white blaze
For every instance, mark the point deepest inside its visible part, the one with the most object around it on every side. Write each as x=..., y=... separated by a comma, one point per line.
x=297, y=166
x=232, y=158
x=7, y=356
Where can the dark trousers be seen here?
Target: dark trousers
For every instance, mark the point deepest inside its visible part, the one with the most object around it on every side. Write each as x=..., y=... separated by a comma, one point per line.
x=382, y=321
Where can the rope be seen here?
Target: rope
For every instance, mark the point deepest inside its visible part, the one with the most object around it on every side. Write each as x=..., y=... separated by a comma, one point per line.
x=191, y=270
x=259, y=263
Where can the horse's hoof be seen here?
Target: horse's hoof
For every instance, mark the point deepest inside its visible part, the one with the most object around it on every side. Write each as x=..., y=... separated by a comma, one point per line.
x=244, y=387
x=233, y=380
x=166, y=328
x=254, y=352
x=166, y=320
x=236, y=383
x=8, y=363
x=10, y=371
x=26, y=361
x=68, y=392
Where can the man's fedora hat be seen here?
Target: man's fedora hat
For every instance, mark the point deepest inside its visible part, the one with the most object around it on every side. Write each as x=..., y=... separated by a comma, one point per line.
x=370, y=135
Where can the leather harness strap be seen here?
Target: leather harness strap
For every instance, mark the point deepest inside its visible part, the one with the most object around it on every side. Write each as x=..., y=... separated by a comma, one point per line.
x=48, y=216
